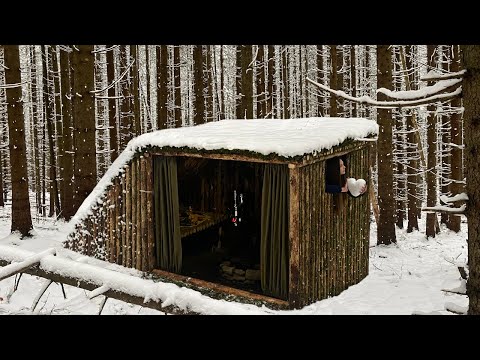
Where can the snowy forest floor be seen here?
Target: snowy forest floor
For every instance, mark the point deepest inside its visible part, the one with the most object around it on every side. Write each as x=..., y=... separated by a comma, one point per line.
x=404, y=278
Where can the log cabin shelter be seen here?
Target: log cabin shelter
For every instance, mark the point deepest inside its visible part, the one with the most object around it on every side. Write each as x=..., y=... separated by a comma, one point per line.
x=236, y=206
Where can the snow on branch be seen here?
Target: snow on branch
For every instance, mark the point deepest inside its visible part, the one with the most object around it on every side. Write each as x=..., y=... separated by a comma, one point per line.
x=446, y=209
x=29, y=261
x=441, y=86
x=390, y=104
x=118, y=285
x=452, y=199
x=435, y=75
x=115, y=81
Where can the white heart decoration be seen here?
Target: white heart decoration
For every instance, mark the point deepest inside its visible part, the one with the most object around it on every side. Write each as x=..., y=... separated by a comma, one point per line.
x=354, y=186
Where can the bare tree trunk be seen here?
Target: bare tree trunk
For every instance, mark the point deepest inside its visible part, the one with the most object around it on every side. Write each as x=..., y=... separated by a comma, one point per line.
x=353, y=79
x=386, y=201
x=67, y=111
x=112, y=103
x=199, y=117
x=456, y=139
x=176, y=77
x=58, y=128
x=21, y=217
x=271, y=85
x=320, y=77
x=238, y=83
x=247, y=82
x=208, y=81
x=286, y=83
x=49, y=91
x=431, y=160
x=471, y=100
x=261, y=66
x=126, y=123
x=222, y=85
x=333, y=80
x=85, y=163
x=135, y=102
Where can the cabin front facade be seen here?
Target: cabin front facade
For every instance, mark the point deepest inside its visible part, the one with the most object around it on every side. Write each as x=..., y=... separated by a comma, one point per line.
x=240, y=203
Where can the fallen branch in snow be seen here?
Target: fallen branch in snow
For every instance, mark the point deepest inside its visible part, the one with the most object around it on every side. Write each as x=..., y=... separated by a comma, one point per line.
x=40, y=294
x=15, y=268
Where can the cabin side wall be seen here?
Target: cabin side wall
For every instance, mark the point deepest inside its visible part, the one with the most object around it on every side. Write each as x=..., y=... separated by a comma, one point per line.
x=120, y=229
x=332, y=248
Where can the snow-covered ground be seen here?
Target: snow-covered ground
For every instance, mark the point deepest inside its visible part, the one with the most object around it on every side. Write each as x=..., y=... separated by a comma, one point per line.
x=406, y=278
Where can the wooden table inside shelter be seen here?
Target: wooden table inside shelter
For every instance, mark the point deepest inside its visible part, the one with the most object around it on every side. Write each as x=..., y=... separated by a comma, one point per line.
x=202, y=221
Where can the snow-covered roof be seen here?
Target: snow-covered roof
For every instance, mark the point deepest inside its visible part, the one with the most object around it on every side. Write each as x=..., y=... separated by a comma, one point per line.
x=282, y=137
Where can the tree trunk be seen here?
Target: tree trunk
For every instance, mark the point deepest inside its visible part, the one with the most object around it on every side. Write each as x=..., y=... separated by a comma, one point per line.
x=135, y=102
x=471, y=100
x=85, y=163
x=333, y=80
x=238, y=82
x=21, y=217
x=162, y=86
x=261, y=66
x=444, y=123
x=199, y=117
x=286, y=82
x=431, y=159
x=271, y=85
x=456, y=139
x=320, y=78
x=208, y=81
x=49, y=91
x=353, y=79
x=222, y=85
x=386, y=201
x=58, y=128
x=247, y=82
x=126, y=123
x=67, y=111
x=176, y=77
x=112, y=104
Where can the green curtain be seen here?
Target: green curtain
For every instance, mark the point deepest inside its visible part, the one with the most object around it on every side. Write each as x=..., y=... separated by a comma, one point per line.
x=167, y=217
x=274, y=254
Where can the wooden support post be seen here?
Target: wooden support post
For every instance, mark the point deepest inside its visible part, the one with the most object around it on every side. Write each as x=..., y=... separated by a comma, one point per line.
x=293, y=296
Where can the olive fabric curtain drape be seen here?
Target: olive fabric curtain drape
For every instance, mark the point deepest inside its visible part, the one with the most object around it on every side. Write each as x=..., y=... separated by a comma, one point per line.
x=274, y=249
x=167, y=218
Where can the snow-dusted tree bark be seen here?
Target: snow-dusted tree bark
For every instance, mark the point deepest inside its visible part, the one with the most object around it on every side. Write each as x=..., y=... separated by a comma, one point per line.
x=49, y=101
x=353, y=78
x=21, y=218
x=112, y=104
x=208, y=81
x=261, y=66
x=456, y=185
x=222, y=84
x=412, y=147
x=247, y=82
x=126, y=122
x=333, y=80
x=199, y=117
x=431, y=159
x=320, y=77
x=3, y=127
x=285, y=82
x=176, y=81
x=386, y=202
x=135, y=105
x=67, y=112
x=271, y=83
x=85, y=163
x=471, y=100
x=58, y=126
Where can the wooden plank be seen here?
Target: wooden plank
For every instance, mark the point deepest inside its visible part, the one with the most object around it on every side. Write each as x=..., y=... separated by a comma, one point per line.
x=150, y=213
x=293, y=296
x=128, y=217
x=144, y=215
x=220, y=288
x=139, y=187
x=133, y=241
